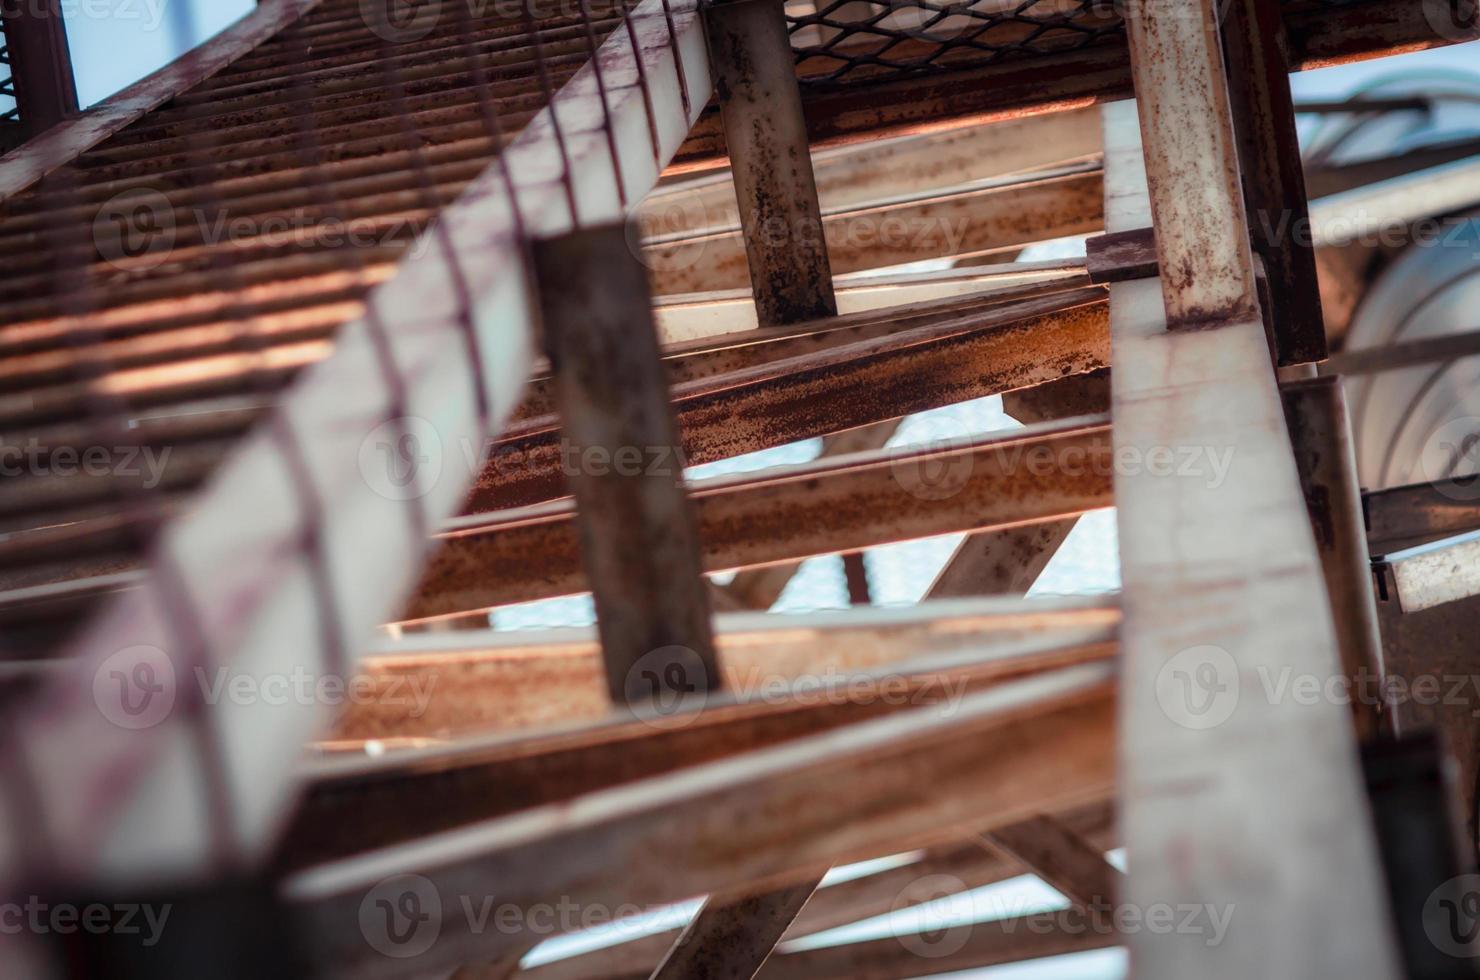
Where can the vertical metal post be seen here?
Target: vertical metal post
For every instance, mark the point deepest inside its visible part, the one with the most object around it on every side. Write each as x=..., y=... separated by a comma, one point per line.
x=1320, y=432
x=1428, y=864
x=1436, y=644
x=1273, y=179
x=1197, y=206
x=40, y=61
x=1222, y=579
x=761, y=109
x=855, y=572
x=639, y=536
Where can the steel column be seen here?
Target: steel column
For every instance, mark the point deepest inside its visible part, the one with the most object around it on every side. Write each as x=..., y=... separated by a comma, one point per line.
x=1222, y=582
x=639, y=537
x=40, y=61
x=1273, y=179
x=1320, y=432
x=1202, y=242
x=761, y=107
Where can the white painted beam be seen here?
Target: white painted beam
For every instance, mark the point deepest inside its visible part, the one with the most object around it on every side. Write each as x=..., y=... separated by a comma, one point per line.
x=1235, y=794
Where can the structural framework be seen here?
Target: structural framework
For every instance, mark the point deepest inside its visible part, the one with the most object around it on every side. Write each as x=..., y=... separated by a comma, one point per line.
x=370, y=317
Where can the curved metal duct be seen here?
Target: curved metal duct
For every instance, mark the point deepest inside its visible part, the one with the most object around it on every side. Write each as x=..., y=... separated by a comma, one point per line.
x=1417, y=424
x=1414, y=424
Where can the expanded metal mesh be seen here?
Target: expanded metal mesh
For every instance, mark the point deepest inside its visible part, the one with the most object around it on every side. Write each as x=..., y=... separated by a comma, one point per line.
x=850, y=41
x=846, y=42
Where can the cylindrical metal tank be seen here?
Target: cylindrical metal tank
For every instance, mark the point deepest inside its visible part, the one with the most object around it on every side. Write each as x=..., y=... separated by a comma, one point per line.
x=1421, y=423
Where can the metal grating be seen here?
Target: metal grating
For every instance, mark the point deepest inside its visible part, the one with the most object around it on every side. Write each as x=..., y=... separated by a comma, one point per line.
x=260, y=267
x=160, y=292
x=849, y=42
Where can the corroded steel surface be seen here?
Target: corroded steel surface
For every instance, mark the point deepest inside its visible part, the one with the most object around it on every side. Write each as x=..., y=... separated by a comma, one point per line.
x=834, y=505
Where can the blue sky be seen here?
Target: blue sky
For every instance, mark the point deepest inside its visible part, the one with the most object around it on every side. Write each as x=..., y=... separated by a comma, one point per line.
x=115, y=42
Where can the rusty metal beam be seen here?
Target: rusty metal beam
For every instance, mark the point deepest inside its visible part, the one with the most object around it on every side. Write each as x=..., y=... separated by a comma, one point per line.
x=691, y=317
x=838, y=388
x=959, y=221
x=744, y=822
x=868, y=173
x=1399, y=518
x=759, y=588
x=1063, y=859
x=485, y=682
x=1121, y=256
x=639, y=541
x=709, y=357
x=731, y=938
x=556, y=736
x=1037, y=474
x=1008, y=561
x=844, y=902
x=750, y=54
